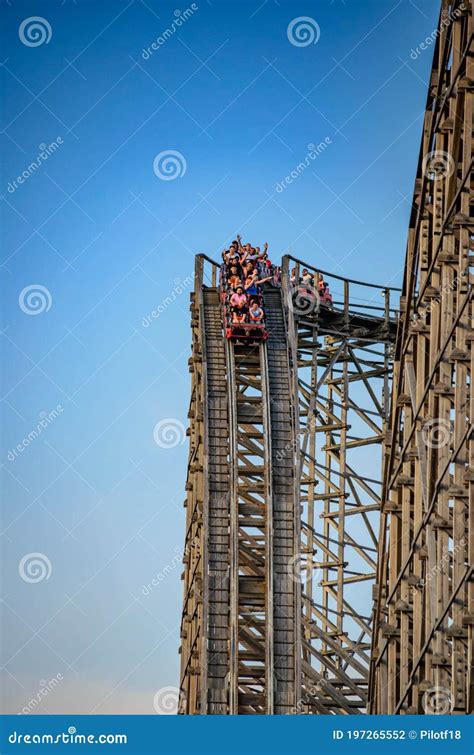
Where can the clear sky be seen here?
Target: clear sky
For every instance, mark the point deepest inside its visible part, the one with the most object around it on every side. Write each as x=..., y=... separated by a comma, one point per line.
x=107, y=239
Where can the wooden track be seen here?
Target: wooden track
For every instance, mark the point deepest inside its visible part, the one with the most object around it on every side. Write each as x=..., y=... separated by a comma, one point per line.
x=216, y=543
x=241, y=618
x=205, y=625
x=422, y=655
x=285, y=509
x=250, y=521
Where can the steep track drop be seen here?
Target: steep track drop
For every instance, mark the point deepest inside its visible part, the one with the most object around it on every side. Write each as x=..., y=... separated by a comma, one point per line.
x=254, y=639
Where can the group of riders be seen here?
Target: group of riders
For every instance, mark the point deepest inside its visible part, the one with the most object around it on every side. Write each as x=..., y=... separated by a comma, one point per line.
x=245, y=270
x=312, y=281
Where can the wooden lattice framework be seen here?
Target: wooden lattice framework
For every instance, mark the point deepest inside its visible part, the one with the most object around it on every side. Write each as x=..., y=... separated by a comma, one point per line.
x=279, y=571
x=422, y=658
x=343, y=359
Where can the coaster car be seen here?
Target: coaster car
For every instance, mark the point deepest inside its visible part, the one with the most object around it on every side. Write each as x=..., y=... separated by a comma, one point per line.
x=244, y=331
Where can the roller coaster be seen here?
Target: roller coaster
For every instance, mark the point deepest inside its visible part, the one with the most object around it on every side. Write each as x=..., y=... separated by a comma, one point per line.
x=328, y=560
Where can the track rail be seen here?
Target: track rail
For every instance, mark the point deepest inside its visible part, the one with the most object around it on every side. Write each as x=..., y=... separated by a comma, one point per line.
x=250, y=527
x=264, y=539
x=216, y=512
x=241, y=644
x=285, y=549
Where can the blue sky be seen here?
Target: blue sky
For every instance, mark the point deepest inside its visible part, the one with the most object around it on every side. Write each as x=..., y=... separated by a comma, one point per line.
x=108, y=240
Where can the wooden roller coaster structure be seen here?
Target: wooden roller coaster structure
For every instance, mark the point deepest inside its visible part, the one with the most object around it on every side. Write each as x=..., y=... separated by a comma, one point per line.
x=329, y=510
x=422, y=655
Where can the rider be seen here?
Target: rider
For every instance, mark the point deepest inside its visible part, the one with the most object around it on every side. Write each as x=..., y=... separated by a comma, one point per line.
x=233, y=278
x=306, y=277
x=251, y=283
x=238, y=300
x=255, y=313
